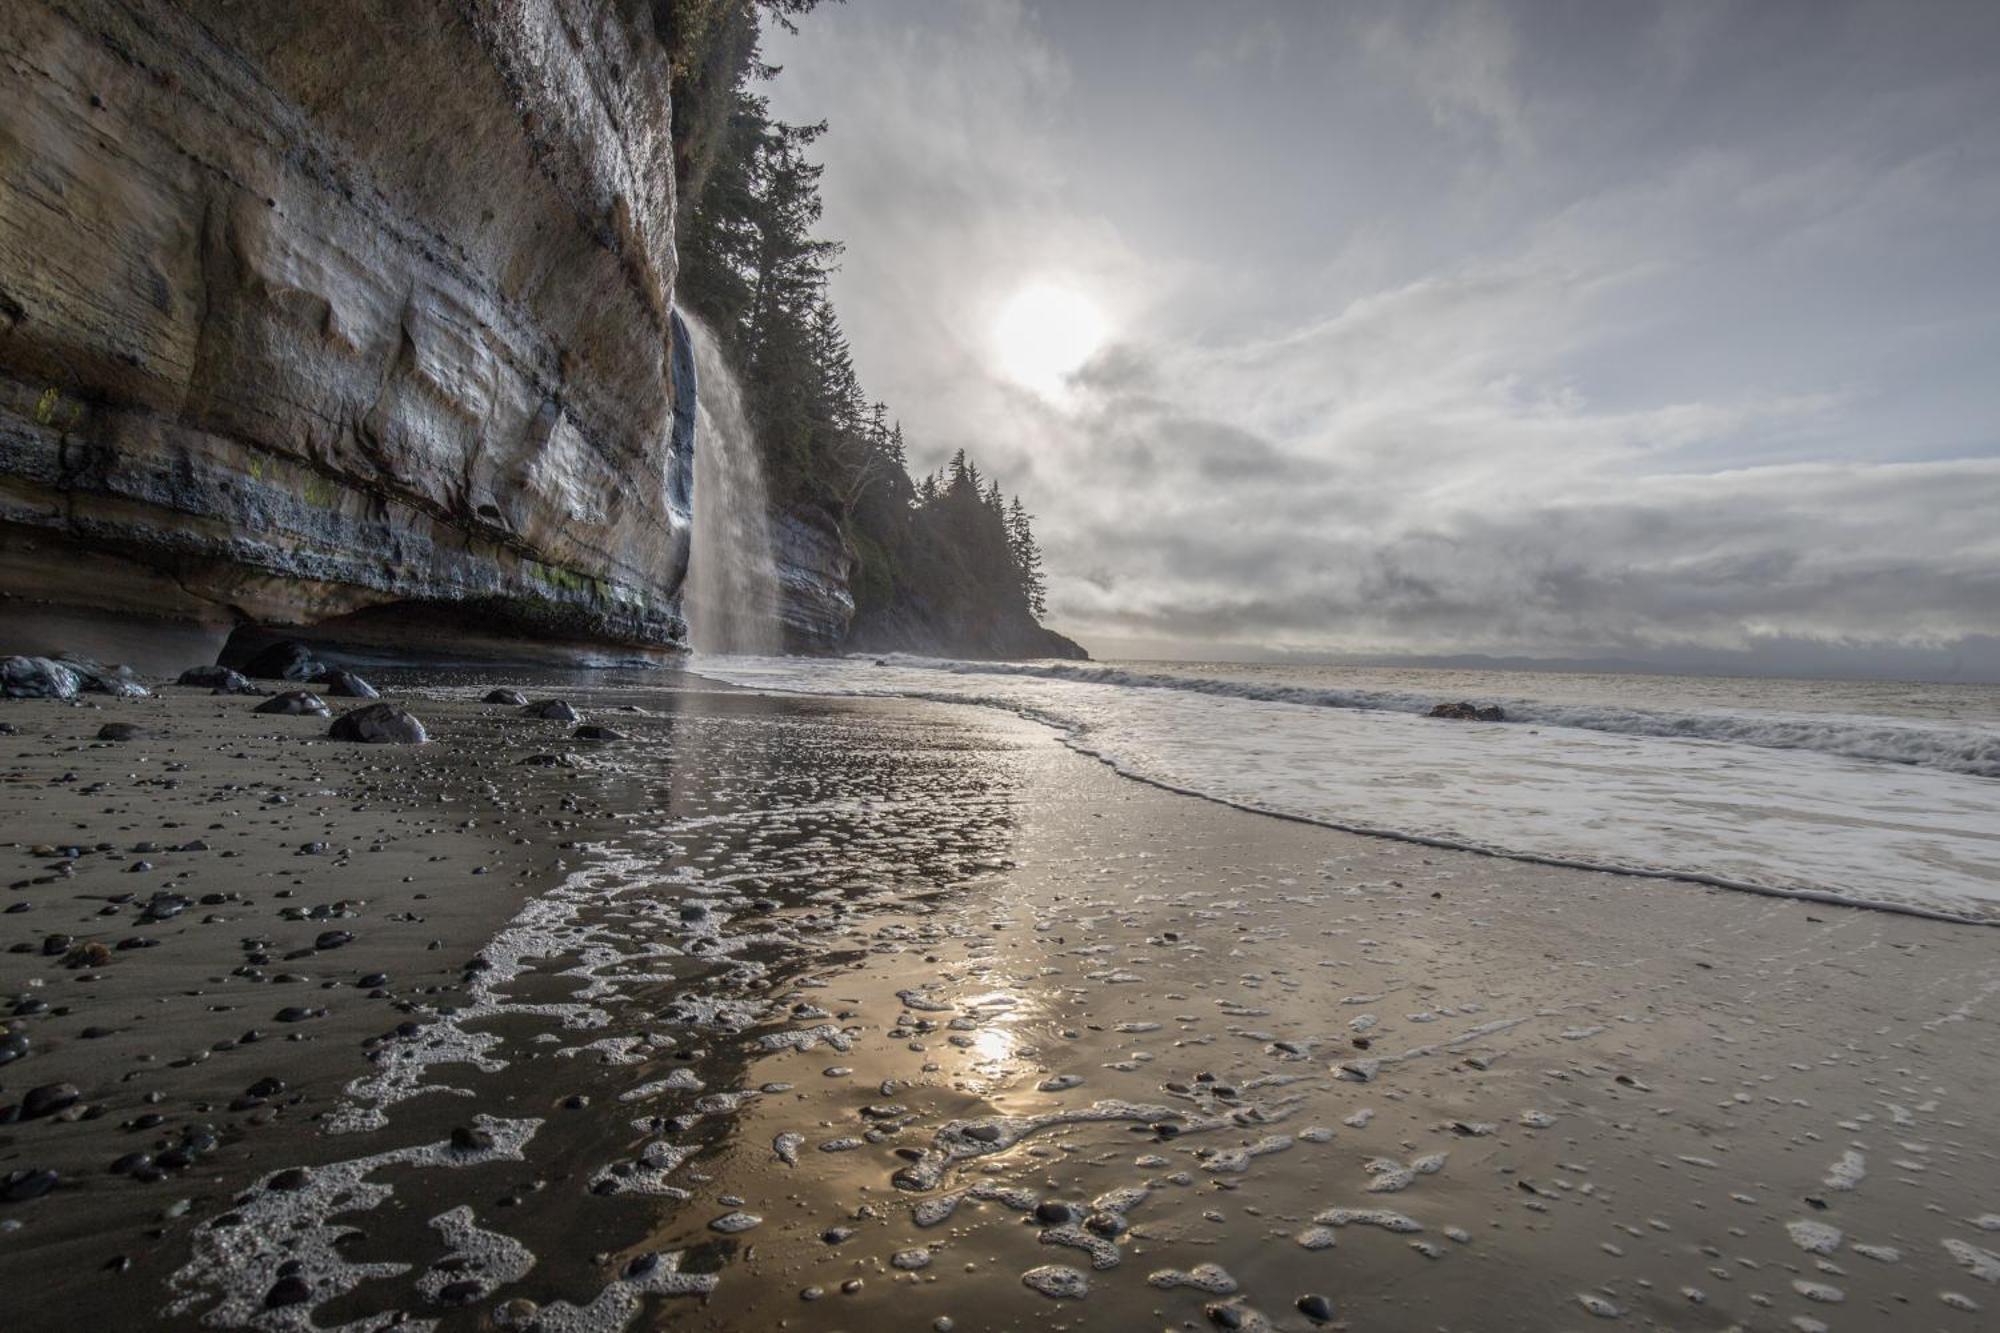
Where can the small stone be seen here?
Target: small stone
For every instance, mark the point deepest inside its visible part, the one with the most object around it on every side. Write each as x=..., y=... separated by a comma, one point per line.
x=287, y=1291
x=505, y=696
x=470, y=1140
x=49, y=1099
x=24, y=1185
x=591, y=731
x=551, y=710
x=1316, y=1308
x=120, y=731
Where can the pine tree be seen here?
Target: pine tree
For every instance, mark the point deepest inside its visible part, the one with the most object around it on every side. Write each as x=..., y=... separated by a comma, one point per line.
x=1027, y=558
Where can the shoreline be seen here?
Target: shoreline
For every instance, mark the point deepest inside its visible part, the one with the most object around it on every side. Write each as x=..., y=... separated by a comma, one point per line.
x=787, y=861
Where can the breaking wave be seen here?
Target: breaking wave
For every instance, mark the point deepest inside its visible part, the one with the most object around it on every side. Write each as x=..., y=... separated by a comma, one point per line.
x=1947, y=749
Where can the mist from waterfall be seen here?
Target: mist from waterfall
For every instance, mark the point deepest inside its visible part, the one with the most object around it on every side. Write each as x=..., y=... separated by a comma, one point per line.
x=732, y=585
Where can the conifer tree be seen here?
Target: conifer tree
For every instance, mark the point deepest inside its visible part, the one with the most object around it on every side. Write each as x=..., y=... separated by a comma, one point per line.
x=1027, y=558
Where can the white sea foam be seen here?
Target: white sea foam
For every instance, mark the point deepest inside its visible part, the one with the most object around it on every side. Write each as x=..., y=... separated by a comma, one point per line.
x=1953, y=749
x=1804, y=804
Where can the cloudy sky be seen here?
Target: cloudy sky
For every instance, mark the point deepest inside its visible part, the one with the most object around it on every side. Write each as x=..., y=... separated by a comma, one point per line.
x=1556, y=328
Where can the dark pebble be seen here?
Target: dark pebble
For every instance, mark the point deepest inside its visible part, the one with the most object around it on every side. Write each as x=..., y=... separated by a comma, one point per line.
x=471, y=1140
x=460, y=1293
x=49, y=1099
x=21, y=1186
x=287, y=1291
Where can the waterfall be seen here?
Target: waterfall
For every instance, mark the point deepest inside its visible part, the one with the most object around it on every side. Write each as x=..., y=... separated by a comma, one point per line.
x=732, y=582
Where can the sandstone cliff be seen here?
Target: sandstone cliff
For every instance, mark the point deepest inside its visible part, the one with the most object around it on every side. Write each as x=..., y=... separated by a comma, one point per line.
x=352, y=311
x=815, y=572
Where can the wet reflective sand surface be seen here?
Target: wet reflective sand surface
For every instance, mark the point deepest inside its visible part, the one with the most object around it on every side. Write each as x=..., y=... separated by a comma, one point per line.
x=825, y=1014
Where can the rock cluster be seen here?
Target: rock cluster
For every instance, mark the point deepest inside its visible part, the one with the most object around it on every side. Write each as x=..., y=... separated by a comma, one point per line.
x=1465, y=712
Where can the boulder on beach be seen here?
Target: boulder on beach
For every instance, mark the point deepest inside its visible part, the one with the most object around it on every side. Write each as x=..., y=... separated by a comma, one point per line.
x=591, y=731
x=506, y=696
x=120, y=731
x=285, y=660
x=378, y=724
x=347, y=685
x=218, y=678
x=1465, y=712
x=38, y=678
x=554, y=710
x=118, y=681
x=295, y=703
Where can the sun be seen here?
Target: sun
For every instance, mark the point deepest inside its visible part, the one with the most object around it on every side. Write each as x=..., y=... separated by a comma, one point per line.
x=1044, y=335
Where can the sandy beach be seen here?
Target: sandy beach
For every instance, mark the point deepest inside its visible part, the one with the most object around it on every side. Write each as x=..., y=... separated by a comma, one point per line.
x=826, y=1014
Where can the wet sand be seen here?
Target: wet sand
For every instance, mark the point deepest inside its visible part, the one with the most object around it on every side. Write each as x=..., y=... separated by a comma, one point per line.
x=824, y=1014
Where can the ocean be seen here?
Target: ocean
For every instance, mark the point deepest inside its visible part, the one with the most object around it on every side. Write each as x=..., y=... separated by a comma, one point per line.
x=1878, y=794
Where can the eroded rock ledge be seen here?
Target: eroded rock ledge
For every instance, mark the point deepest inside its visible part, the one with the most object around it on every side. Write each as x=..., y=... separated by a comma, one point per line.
x=313, y=309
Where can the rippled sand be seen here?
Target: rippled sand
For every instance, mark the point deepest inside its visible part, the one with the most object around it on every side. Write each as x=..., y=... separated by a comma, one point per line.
x=869, y=1014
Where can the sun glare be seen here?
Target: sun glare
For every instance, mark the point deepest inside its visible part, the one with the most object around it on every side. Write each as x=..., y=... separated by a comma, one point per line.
x=1044, y=335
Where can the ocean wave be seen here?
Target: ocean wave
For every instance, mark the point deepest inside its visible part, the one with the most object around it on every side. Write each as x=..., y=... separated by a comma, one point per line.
x=1714, y=806
x=1947, y=749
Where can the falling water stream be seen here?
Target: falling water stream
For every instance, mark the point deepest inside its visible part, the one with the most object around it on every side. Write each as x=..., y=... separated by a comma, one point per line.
x=732, y=586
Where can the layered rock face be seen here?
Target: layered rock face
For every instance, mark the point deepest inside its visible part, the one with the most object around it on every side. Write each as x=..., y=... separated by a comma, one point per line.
x=352, y=311
x=815, y=603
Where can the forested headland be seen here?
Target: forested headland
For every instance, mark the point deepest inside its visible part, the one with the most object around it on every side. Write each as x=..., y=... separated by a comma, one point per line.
x=944, y=563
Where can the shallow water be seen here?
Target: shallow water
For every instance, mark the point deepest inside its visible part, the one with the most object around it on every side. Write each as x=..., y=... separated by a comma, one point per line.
x=1887, y=810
